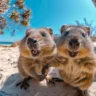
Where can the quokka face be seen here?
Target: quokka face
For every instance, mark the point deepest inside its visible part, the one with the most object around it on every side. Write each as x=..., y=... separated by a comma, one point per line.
x=74, y=41
x=39, y=43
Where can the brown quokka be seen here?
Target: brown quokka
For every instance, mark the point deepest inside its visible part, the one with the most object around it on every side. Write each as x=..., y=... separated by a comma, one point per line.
x=76, y=60
x=34, y=47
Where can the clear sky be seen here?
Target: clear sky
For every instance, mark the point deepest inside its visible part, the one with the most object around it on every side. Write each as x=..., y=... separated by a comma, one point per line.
x=55, y=13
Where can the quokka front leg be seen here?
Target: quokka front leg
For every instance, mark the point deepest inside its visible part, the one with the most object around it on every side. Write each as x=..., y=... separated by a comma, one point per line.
x=32, y=73
x=24, y=82
x=50, y=80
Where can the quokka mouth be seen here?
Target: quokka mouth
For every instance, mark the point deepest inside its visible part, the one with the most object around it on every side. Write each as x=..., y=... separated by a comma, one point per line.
x=72, y=54
x=35, y=52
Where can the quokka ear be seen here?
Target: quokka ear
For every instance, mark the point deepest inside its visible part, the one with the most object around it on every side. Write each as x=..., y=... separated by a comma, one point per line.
x=64, y=28
x=87, y=30
x=50, y=31
x=28, y=31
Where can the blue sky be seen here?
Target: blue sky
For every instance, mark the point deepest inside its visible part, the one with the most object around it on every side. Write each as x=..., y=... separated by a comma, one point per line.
x=55, y=13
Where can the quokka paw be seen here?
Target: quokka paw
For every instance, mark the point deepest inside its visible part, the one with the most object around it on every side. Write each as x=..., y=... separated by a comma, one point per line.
x=24, y=83
x=50, y=82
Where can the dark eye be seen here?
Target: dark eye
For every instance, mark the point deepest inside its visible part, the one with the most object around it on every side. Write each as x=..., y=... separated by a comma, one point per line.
x=83, y=34
x=43, y=34
x=66, y=33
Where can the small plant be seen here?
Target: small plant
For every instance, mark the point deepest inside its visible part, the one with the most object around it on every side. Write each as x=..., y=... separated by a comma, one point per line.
x=20, y=4
x=18, y=16
x=15, y=16
x=26, y=14
x=25, y=22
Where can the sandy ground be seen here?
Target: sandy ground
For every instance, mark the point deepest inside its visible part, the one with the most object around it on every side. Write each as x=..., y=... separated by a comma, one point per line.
x=9, y=76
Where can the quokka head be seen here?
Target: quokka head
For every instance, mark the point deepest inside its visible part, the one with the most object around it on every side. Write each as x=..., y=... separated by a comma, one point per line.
x=39, y=42
x=75, y=41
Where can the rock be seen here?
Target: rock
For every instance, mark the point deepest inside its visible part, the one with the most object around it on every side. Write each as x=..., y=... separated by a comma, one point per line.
x=1, y=69
x=1, y=76
x=9, y=59
x=15, y=44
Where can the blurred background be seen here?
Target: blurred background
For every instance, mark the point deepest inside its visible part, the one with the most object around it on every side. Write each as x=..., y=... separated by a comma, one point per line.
x=23, y=14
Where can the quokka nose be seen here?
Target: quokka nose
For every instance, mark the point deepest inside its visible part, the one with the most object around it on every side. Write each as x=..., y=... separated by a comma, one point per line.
x=74, y=43
x=31, y=40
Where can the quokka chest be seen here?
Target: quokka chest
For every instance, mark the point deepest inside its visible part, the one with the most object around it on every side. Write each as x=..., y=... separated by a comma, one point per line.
x=71, y=70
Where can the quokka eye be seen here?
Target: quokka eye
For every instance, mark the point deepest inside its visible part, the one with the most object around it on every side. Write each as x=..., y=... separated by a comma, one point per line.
x=66, y=33
x=83, y=34
x=43, y=34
